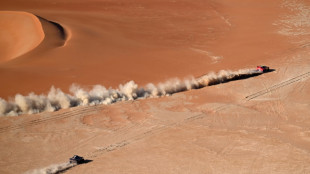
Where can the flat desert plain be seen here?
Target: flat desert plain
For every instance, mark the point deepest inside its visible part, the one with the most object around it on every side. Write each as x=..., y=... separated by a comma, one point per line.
x=161, y=86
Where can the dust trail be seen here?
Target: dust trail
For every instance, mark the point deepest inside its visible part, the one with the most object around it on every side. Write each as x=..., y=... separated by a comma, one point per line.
x=52, y=169
x=57, y=99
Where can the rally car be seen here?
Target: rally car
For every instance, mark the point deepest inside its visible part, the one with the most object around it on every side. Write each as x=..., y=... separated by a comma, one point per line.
x=77, y=159
x=262, y=68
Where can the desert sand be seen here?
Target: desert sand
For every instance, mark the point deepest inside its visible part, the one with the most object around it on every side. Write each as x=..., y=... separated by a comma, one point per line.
x=258, y=124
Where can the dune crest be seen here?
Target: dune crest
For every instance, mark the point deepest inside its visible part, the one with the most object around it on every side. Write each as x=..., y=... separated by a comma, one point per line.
x=23, y=33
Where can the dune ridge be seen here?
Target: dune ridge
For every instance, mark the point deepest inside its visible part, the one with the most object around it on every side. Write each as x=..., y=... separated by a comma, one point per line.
x=56, y=99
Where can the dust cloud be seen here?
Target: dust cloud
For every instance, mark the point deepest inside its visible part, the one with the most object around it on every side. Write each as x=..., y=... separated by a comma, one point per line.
x=52, y=169
x=56, y=99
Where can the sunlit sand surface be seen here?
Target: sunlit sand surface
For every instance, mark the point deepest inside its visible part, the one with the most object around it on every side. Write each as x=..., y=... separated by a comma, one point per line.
x=257, y=124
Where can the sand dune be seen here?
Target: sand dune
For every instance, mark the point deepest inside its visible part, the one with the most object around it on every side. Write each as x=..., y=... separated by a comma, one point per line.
x=20, y=33
x=27, y=33
x=250, y=125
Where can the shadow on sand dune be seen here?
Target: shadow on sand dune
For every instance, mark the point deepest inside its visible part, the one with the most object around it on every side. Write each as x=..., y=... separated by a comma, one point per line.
x=54, y=31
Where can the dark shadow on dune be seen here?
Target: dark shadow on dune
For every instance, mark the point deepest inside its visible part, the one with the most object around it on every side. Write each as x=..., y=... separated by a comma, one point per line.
x=61, y=29
x=61, y=32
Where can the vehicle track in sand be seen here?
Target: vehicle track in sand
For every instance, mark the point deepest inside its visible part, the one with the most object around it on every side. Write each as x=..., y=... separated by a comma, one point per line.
x=277, y=86
x=143, y=135
x=201, y=115
x=83, y=111
x=143, y=131
x=87, y=110
x=78, y=111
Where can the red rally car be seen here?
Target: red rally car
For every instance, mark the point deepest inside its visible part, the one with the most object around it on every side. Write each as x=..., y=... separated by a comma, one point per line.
x=262, y=68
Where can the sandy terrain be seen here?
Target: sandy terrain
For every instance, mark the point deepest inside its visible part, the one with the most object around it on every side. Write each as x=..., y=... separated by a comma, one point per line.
x=111, y=43
x=253, y=125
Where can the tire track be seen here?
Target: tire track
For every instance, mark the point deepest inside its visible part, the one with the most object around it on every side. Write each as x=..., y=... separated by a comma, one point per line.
x=159, y=129
x=53, y=117
x=277, y=86
x=140, y=136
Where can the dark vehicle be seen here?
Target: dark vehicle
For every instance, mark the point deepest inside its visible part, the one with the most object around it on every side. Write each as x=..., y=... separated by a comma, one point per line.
x=77, y=159
x=262, y=68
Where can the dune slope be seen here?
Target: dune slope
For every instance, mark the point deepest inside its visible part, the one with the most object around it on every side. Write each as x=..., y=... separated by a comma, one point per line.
x=20, y=33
